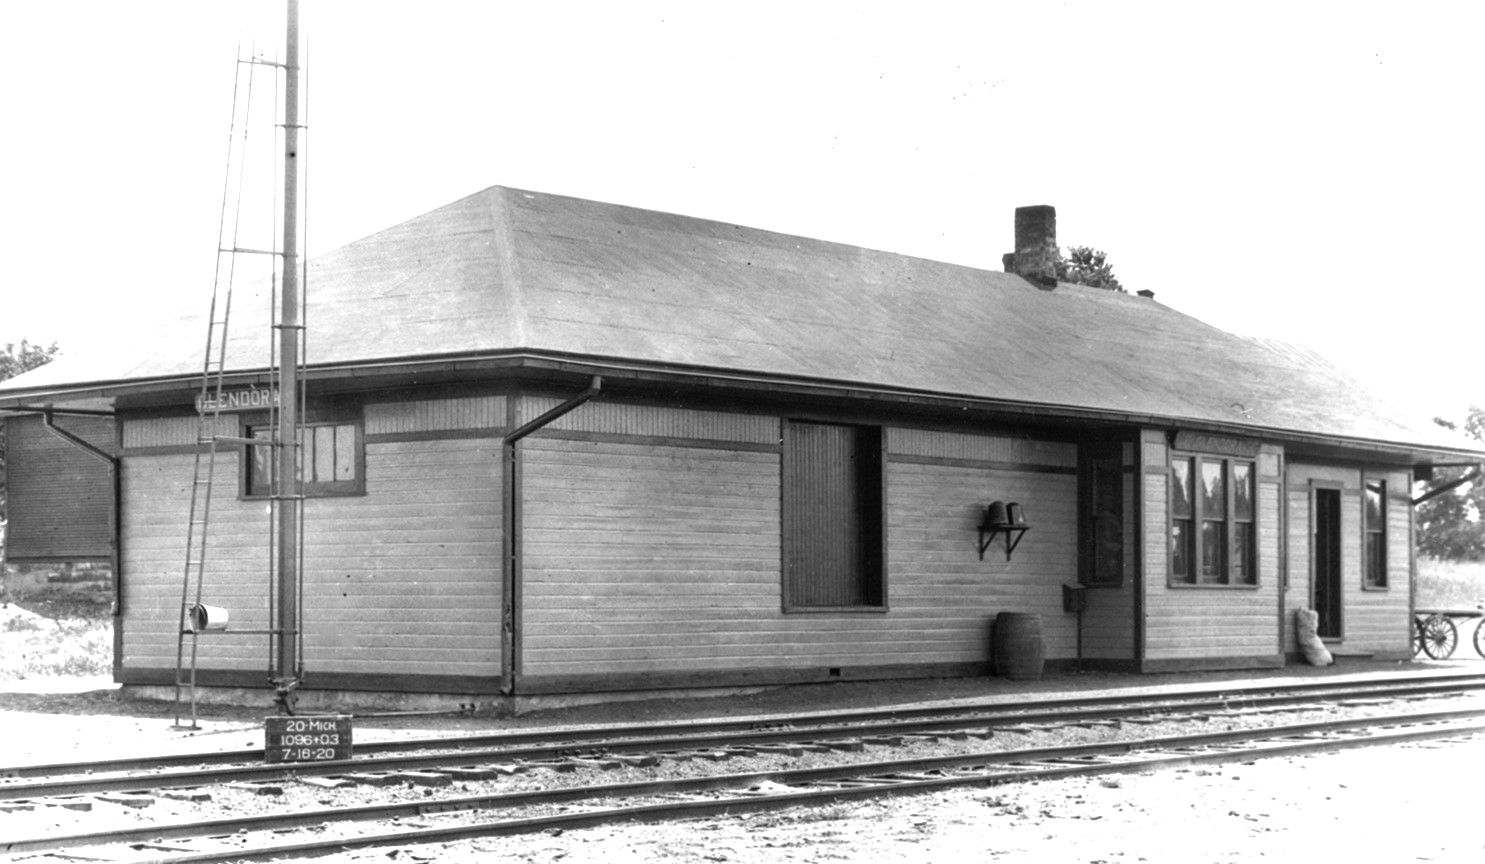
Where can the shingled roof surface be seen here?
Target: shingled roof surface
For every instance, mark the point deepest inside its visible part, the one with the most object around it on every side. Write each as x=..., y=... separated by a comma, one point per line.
x=511, y=271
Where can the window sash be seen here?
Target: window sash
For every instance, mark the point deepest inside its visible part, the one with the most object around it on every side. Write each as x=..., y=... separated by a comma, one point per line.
x=329, y=460
x=1213, y=521
x=1183, y=523
x=1374, y=533
x=1103, y=536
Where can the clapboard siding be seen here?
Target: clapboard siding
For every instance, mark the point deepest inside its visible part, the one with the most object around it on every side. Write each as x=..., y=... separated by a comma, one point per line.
x=402, y=580
x=1198, y=624
x=1378, y=621
x=1372, y=621
x=156, y=495
x=433, y=570
x=644, y=559
x=1301, y=547
x=617, y=537
x=1270, y=536
x=983, y=448
x=1156, y=528
x=933, y=515
x=1209, y=624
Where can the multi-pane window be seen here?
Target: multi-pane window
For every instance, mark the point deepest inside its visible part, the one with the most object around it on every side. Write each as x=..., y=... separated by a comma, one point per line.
x=832, y=511
x=1244, y=537
x=329, y=460
x=1102, y=531
x=1374, y=547
x=1213, y=538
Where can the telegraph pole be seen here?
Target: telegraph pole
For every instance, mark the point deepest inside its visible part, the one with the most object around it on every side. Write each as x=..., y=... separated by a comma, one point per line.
x=287, y=475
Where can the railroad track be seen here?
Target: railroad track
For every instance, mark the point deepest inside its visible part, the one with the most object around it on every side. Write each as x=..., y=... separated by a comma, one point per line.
x=548, y=744
x=261, y=838
x=558, y=790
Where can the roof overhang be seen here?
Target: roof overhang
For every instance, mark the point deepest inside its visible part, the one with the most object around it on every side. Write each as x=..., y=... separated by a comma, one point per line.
x=103, y=396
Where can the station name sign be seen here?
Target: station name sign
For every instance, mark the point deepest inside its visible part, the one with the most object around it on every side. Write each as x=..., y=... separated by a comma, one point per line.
x=306, y=739
x=247, y=399
x=1220, y=444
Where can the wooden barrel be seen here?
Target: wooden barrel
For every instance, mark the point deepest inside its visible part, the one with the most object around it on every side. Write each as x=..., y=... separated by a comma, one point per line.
x=1016, y=648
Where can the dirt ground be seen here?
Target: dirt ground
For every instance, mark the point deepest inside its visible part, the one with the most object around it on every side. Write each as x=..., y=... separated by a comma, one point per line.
x=1410, y=804
x=1401, y=804
x=1417, y=803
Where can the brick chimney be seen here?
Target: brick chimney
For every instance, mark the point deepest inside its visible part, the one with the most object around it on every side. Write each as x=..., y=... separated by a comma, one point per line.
x=1036, y=252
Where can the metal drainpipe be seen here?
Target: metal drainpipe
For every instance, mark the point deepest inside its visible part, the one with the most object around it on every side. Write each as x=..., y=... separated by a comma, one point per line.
x=113, y=506
x=510, y=521
x=1472, y=474
x=1455, y=484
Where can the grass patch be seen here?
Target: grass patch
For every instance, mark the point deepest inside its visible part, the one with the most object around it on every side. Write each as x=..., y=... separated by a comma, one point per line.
x=33, y=646
x=1450, y=584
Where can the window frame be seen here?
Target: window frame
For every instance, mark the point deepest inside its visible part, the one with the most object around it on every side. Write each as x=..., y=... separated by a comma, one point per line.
x=1191, y=544
x=1102, y=486
x=311, y=489
x=1374, y=558
x=871, y=510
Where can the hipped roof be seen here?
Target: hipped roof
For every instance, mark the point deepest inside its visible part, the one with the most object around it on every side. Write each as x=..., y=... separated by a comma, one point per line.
x=513, y=272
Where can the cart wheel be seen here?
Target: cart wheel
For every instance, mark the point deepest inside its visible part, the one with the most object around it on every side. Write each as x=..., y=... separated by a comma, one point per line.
x=1439, y=637
x=1417, y=636
x=1480, y=637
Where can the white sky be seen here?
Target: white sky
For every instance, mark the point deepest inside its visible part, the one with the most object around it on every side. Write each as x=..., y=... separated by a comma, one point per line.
x=1307, y=171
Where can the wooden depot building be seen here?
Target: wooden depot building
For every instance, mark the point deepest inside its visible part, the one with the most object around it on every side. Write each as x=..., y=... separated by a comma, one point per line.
x=773, y=459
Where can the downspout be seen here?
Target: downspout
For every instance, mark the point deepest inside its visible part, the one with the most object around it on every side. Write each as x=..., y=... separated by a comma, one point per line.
x=1431, y=494
x=511, y=522
x=113, y=512
x=1472, y=474
x=92, y=449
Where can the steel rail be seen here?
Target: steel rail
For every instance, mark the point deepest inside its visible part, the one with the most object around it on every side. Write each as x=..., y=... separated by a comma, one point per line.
x=544, y=743
x=857, y=780
x=79, y=784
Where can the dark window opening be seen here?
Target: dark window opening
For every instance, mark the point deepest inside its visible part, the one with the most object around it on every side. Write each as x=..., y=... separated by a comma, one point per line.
x=1102, y=527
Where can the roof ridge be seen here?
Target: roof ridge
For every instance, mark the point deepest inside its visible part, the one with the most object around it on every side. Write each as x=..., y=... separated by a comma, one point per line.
x=498, y=208
x=1307, y=355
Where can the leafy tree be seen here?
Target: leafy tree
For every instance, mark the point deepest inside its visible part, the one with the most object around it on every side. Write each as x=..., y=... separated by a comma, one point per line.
x=14, y=360
x=1084, y=265
x=1452, y=526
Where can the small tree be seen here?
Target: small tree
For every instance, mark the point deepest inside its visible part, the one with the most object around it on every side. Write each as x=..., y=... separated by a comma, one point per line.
x=1452, y=526
x=1084, y=265
x=13, y=361
x=16, y=359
